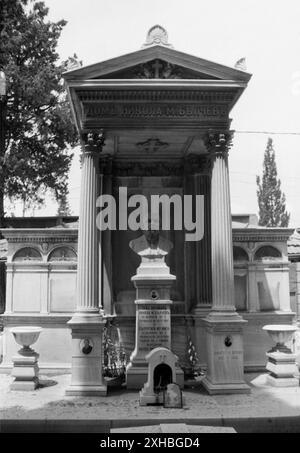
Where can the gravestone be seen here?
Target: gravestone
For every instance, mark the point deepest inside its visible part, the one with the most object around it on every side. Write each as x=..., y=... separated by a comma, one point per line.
x=153, y=282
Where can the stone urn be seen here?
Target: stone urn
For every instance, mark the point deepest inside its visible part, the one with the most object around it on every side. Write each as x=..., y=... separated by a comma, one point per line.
x=283, y=371
x=280, y=334
x=26, y=336
x=25, y=363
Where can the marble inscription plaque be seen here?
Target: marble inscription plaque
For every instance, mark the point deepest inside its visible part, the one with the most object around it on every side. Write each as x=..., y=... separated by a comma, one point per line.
x=153, y=328
x=190, y=111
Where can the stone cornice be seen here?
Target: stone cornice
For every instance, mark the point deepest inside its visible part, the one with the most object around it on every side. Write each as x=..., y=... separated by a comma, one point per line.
x=142, y=94
x=40, y=235
x=261, y=235
x=144, y=55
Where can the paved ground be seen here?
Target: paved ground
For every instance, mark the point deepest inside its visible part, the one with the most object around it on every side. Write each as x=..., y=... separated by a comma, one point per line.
x=48, y=409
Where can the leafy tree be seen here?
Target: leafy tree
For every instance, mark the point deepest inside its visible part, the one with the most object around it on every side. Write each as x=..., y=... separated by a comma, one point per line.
x=271, y=200
x=35, y=155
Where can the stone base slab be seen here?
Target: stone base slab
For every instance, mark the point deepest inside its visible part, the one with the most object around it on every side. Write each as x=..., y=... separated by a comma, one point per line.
x=146, y=400
x=220, y=389
x=25, y=386
x=282, y=382
x=86, y=390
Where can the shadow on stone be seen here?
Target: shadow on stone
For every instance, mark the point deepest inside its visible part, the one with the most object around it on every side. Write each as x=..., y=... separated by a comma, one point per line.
x=43, y=383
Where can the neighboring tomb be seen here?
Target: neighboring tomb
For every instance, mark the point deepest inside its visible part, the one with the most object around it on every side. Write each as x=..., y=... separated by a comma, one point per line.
x=40, y=291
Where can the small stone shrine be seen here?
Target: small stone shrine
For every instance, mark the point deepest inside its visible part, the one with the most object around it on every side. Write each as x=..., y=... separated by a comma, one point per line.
x=153, y=305
x=162, y=371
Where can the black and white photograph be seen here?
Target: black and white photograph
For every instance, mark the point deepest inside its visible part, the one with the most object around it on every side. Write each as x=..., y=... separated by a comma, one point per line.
x=149, y=219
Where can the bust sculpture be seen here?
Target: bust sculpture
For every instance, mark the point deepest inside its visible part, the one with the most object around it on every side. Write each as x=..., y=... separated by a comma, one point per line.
x=151, y=245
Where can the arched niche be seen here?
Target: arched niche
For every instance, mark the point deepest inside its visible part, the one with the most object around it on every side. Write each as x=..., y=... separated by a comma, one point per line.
x=27, y=254
x=267, y=252
x=63, y=253
x=239, y=254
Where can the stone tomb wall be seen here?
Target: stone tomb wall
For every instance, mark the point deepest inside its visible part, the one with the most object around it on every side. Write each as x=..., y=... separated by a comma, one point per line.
x=41, y=290
x=41, y=287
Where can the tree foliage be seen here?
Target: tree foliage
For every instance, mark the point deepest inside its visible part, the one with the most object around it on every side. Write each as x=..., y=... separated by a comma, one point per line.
x=271, y=200
x=35, y=155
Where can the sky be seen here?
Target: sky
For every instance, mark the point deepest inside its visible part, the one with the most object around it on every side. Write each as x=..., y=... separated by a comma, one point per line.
x=265, y=32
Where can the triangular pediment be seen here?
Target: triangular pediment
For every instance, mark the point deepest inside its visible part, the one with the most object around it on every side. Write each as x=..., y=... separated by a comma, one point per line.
x=157, y=62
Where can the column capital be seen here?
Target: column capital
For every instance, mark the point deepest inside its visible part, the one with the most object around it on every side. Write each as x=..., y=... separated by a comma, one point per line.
x=218, y=142
x=93, y=141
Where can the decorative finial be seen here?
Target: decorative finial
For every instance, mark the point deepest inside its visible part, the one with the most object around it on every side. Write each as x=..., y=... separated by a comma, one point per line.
x=241, y=64
x=157, y=36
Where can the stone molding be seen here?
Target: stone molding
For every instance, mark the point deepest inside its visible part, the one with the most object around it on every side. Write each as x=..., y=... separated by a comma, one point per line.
x=150, y=95
x=257, y=235
x=40, y=235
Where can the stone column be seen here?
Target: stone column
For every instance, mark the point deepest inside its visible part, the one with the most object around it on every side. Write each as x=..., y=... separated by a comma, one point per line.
x=221, y=235
x=224, y=327
x=203, y=249
x=87, y=323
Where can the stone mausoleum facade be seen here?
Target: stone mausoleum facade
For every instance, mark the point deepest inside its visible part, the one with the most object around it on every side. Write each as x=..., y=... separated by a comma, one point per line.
x=41, y=290
x=156, y=121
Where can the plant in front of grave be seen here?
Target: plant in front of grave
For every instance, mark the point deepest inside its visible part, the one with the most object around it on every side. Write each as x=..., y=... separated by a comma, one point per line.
x=194, y=369
x=114, y=355
x=36, y=123
x=271, y=200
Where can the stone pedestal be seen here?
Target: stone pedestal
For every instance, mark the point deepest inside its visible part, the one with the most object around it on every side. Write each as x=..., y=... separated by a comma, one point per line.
x=225, y=357
x=153, y=282
x=281, y=361
x=25, y=370
x=283, y=369
x=87, y=333
x=153, y=329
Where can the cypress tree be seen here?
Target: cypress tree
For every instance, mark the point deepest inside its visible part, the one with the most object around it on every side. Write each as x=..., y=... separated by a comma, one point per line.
x=271, y=200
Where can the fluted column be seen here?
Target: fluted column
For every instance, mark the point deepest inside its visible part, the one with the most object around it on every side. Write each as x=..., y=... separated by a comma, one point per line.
x=87, y=273
x=221, y=234
x=88, y=322
x=203, y=249
x=224, y=326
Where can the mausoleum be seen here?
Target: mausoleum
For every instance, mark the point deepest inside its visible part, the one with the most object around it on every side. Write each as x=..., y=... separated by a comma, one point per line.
x=156, y=121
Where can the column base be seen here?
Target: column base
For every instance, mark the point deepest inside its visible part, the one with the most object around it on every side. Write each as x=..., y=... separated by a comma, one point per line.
x=223, y=389
x=87, y=332
x=225, y=354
